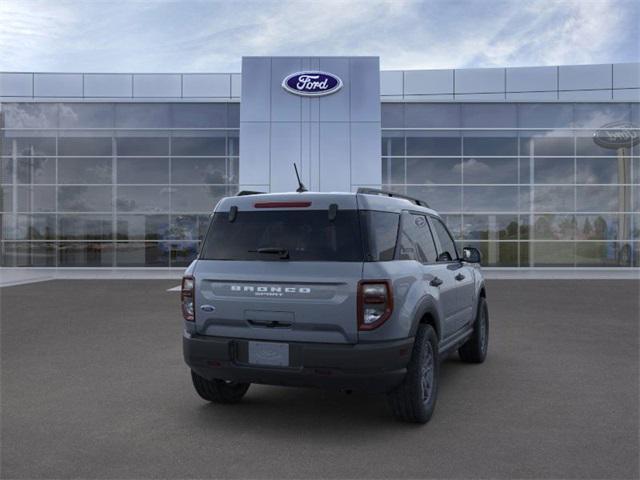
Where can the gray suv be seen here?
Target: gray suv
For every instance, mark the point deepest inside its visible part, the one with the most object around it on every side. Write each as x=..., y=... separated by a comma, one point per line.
x=353, y=291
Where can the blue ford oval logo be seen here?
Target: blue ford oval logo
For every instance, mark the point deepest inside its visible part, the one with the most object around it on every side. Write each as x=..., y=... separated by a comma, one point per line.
x=312, y=83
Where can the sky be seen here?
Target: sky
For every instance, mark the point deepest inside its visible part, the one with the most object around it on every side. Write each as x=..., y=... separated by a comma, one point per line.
x=212, y=36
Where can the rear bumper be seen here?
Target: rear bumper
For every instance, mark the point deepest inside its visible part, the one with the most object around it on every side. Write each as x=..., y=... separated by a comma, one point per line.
x=370, y=367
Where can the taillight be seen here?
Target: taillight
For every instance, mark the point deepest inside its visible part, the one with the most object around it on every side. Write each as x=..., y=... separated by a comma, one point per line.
x=187, y=298
x=375, y=303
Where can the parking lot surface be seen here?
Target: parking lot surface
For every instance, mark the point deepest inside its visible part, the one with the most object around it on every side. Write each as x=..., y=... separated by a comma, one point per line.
x=93, y=386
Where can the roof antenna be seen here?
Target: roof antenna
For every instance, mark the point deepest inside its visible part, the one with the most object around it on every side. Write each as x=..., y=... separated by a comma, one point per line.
x=301, y=188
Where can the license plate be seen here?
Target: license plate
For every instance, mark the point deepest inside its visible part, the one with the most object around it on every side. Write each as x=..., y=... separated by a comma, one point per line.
x=268, y=353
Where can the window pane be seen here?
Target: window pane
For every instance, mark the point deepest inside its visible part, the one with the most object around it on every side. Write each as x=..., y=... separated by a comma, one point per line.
x=142, y=146
x=142, y=254
x=490, y=146
x=380, y=230
x=36, y=170
x=553, y=170
x=539, y=144
x=199, y=170
x=490, y=227
x=84, y=146
x=392, y=145
x=415, y=240
x=497, y=254
x=489, y=115
x=545, y=115
x=553, y=199
x=454, y=224
x=84, y=199
x=6, y=199
x=36, y=199
x=597, y=115
x=199, y=115
x=143, y=170
x=6, y=170
x=586, y=146
x=142, y=227
x=551, y=254
x=142, y=115
x=181, y=254
x=188, y=227
x=196, y=199
x=198, y=146
x=490, y=199
x=30, y=115
x=37, y=254
x=423, y=145
x=143, y=199
x=28, y=227
x=554, y=227
x=85, y=227
x=490, y=170
x=79, y=115
x=604, y=227
x=394, y=171
x=603, y=170
x=602, y=198
x=434, y=170
x=427, y=115
x=442, y=199
x=85, y=254
x=84, y=170
x=392, y=115
x=603, y=254
x=29, y=146
x=447, y=245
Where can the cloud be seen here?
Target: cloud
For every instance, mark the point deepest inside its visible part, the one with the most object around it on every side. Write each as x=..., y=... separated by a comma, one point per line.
x=195, y=35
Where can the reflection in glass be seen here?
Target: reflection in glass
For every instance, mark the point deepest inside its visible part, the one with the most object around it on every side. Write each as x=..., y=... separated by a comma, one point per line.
x=84, y=146
x=433, y=170
x=86, y=115
x=603, y=198
x=142, y=146
x=542, y=144
x=443, y=199
x=393, y=171
x=553, y=170
x=489, y=115
x=490, y=199
x=496, y=254
x=490, y=227
x=143, y=199
x=426, y=115
x=198, y=145
x=28, y=227
x=36, y=170
x=36, y=254
x=142, y=115
x=200, y=115
x=36, y=199
x=603, y=254
x=196, y=199
x=604, y=226
x=199, y=170
x=84, y=199
x=93, y=254
x=392, y=145
x=554, y=227
x=142, y=254
x=30, y=115
x=41, y=146
x=603, y=170
x=142, y=227
x=490, y=146
x=188, y=227
x=490, y=170
x=143, y=170
x=423, y=145
x=551, y=254
x=182, y=253
x=84, y=170
x=85, y=227
x=553, y=199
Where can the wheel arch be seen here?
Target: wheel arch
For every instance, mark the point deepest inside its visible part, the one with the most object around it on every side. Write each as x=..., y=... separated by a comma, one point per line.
x=427, y=314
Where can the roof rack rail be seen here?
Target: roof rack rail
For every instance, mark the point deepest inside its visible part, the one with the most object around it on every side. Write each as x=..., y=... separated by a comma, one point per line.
x=375, y=191
x=242, y=193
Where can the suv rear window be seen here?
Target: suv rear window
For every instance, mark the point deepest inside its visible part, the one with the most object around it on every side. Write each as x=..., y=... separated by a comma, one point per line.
x=293, y=235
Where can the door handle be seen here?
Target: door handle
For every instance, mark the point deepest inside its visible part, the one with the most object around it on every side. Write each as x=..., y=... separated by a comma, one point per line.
x=436, y=282
x=459, y=277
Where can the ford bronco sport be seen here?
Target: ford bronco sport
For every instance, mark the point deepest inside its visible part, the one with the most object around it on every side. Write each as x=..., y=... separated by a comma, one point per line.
x=354, y=291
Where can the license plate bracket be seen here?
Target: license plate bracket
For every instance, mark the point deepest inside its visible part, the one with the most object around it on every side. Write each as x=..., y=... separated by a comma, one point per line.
x=269, y=354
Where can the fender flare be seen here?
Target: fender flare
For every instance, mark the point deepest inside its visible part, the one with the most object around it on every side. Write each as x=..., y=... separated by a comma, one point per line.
x=426, y=306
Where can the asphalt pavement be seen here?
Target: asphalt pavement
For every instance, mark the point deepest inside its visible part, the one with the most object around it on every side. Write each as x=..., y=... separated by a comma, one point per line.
x=93, y=385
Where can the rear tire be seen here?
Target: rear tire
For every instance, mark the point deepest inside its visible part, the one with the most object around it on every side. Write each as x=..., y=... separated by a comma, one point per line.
x=219, y=391
x=415, y=398
x=475, y=349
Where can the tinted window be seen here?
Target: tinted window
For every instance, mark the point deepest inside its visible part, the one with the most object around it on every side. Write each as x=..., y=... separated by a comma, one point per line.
x=304, y=235
x=381, y=231
x=446, y=242
x=416, y=242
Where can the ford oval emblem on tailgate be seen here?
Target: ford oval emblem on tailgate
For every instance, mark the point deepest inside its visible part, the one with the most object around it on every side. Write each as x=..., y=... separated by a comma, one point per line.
x=312, y=83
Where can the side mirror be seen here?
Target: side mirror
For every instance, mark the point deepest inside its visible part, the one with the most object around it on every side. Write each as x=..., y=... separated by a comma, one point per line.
x=471, y=255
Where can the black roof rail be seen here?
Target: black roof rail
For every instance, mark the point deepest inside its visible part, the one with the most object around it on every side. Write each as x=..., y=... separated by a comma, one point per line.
x=375, y=191
x=242, y=193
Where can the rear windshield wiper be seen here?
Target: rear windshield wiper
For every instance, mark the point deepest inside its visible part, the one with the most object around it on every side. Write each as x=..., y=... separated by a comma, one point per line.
x=283, y=252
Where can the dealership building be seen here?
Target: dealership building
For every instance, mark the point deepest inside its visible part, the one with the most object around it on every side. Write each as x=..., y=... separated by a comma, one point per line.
x=536, y=167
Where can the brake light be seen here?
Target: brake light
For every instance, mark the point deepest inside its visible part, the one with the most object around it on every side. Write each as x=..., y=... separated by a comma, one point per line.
x=282, y=204
x=187, y=298
x=375, y=303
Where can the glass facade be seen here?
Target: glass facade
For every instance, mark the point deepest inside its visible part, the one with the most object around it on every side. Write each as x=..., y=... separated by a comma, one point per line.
x=133, y=184
x=525, y=183
x=112, y=184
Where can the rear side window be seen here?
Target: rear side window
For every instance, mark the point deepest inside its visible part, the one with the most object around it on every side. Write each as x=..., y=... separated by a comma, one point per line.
x=447, y=245
x=416, y=242
x=289, y=235
x=380, y=231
